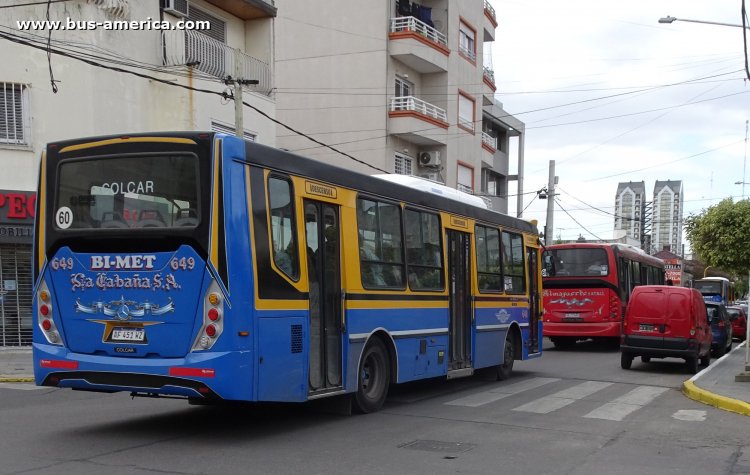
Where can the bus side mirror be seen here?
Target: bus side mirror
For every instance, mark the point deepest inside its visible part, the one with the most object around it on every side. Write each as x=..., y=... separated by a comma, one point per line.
x=548, y=266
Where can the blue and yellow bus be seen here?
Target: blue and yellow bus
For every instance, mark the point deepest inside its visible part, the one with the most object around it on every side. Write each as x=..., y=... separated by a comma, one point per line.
x=204, y=266
x=716, y=289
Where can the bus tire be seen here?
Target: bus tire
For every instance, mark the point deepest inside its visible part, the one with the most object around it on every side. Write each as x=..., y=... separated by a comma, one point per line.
x=373, y=378
x=505, y=369
x=626, y=360
x=563, y=342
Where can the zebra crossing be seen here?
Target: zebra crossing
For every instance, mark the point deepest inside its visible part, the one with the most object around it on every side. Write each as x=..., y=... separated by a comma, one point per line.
x=539, y=400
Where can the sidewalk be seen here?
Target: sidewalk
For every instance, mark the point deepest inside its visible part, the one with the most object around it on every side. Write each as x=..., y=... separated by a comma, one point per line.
x=714, y=385
x=16, y=365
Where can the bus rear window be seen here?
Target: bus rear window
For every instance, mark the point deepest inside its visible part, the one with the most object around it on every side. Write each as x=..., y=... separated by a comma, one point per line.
x=128, y=192
x=708, y=288
x=575, y=263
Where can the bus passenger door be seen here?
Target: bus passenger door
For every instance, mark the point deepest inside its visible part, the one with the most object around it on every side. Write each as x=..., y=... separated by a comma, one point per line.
x=322, y=236
x=459, y=280
x=532, y=262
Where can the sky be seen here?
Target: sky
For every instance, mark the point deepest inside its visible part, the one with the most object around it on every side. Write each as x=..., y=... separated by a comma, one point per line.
x=613, y=96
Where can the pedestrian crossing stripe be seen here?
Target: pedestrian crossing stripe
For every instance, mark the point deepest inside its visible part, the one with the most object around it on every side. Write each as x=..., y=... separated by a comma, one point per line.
x=615, y=410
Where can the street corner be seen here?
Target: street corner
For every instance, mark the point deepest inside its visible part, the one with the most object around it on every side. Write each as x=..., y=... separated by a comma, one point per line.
x=696, y=393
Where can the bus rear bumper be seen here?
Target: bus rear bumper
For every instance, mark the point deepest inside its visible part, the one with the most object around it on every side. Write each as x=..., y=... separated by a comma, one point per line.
x=582, y=329
x=207, y=375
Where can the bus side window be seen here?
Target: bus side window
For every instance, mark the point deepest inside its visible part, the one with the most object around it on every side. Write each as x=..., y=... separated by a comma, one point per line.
x=624, y=271
x=424, y=256
x=283, y=225
x=380, y=244
x=514, y=276
x=489, y=273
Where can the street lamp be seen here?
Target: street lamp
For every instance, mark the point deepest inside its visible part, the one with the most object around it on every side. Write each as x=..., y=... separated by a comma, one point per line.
x=670, y=19
x=743, y=183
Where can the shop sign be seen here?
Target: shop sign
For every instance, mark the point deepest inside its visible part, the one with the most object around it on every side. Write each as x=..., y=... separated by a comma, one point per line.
x=17, y=207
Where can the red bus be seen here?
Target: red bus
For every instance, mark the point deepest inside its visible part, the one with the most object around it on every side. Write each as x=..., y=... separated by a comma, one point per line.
x=587, y=286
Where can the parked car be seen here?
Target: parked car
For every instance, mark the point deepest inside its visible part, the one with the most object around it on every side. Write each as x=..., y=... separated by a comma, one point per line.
x=721, y=328
x=738, y=317
x=662, y=321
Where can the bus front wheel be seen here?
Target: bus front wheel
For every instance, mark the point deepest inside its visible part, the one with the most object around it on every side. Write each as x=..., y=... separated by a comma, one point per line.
x=374, y=378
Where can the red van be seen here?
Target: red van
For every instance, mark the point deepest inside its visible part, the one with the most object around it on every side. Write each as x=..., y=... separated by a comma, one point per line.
x=664, y=321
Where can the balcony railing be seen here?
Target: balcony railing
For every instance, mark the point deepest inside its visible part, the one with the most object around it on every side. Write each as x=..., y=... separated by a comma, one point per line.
x=466, y=51
x=489, y=74
x=188, y=47
x=409, y=23
x=411, y=103
x=489, y=140
x=488, y=8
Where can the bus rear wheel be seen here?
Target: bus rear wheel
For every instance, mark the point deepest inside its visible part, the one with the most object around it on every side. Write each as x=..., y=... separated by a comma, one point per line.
x=505, y=369
x=374, y=378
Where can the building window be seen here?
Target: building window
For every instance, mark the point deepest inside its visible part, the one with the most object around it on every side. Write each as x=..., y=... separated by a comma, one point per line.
x=466, y=111
x=14, y=114
x=404, y=88
x=467, y=45
x=491, y=183
x=206, y=48
x=465, y=179
x=228, y=129
x=403, y=164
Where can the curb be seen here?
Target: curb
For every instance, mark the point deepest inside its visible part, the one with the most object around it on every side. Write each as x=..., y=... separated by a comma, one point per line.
x=695, y=393
x=16, y=379
x=691, y=390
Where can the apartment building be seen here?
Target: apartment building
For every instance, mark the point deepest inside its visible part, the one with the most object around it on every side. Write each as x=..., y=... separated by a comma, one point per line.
x=93, y=100
x=667, y=216
x=630, y=206
x=399, y=86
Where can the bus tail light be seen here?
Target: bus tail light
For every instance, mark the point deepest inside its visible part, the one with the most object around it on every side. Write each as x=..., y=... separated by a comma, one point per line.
x=213, y=309
x=614, y=306
x=46, y=315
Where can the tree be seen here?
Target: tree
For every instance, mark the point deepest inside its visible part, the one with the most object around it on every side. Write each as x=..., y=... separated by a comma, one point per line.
x=720, y=235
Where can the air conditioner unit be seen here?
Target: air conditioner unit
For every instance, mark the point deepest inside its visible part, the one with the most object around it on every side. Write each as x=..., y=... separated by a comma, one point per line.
x=433, y=176
x=175, y=7
x=429, y=159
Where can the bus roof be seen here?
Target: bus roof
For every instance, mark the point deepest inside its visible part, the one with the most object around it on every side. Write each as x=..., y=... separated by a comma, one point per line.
x=288, y=162
x=435, y=188
x=375, y=186
x=619, y=248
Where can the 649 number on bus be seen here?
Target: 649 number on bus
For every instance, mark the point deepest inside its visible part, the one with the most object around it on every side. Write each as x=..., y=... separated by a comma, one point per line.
x=182, y=263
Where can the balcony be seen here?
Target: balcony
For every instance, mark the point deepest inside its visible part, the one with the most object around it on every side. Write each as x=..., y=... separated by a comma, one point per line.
x=247, y=9
x=490, y=22
x=408, y=38
x=489, y=147
x=488, y=86
x=418, y=121
x=214, y=58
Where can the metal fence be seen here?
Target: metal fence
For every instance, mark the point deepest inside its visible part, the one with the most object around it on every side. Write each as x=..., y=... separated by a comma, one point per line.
x=15, y=294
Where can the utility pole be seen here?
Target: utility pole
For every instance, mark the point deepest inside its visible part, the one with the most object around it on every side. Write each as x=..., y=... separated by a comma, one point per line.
x=239, y=125
x=237, y=82
x=548, y=227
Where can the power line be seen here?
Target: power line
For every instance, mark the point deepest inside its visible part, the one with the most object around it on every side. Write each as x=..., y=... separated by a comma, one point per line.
x=45, y=2
x=207, y=91
x=576, y=221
